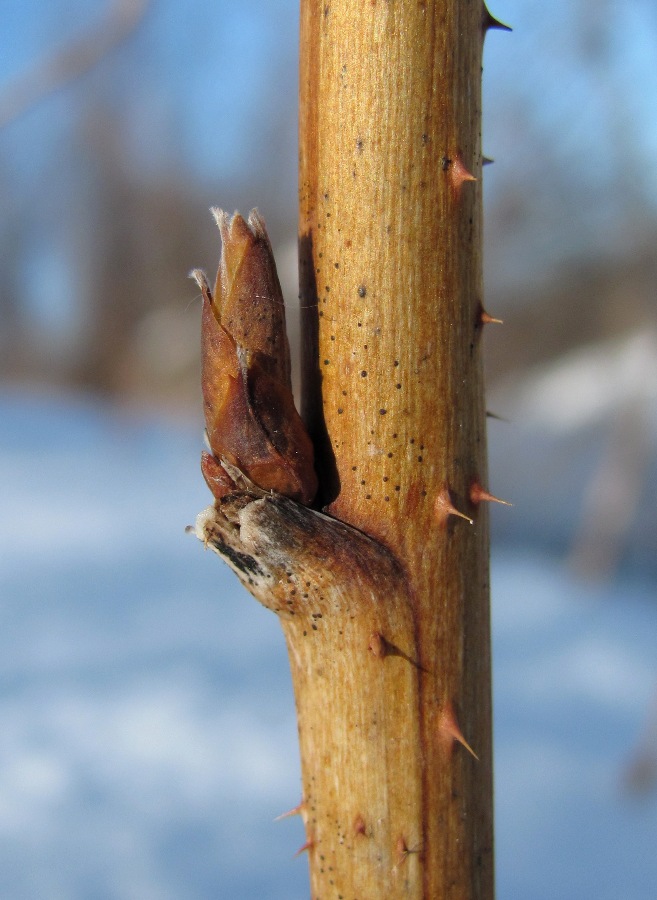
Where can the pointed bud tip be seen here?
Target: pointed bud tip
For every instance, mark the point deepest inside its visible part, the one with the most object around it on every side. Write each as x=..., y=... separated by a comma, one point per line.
x=235, y=226
x=201, y=279
x=233, y=229
x=220, y=216
x=257, y=224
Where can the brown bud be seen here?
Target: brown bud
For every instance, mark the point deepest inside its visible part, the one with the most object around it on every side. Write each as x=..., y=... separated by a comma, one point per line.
x=250, y=417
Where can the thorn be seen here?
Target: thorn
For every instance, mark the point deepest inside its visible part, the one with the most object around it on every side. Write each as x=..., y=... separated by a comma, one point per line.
x=359, y=825
x=487, y=161
x=489, y=21
x=492, y=415
x=443, y=508
x=485, y=319
x=378, y=645
x=450, y=731
x=458, y=172
x=291, y=812
x=403, y=850
x=479, y=495
x=304, y=848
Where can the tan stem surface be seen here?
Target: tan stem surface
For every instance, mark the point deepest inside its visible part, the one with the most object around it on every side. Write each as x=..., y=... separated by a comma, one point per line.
x=390, y=240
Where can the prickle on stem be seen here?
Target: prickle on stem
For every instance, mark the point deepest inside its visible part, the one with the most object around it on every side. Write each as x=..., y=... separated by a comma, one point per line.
x=444, y=508
x=479, y=495
x=449, y=730
x=403, y=851
x=458, y=172
x=486, y=319
x=489, y=21
x=305, y=847
x=378, y=646
x=298, y=810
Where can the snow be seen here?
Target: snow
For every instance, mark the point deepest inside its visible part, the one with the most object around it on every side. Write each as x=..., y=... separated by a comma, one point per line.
x=148, y=737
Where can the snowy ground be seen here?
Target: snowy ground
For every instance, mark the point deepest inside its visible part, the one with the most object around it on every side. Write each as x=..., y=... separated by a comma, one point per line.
x=148, y=736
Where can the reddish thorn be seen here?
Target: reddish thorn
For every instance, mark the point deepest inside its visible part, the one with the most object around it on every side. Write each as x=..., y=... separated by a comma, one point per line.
x=459, y=173
x=450, y=731
x=485, y=319
x=378, y=645
x=443, y=508
x=403, y=850
x=479, y=495
x=359, y=825
x=489, y=21
x=304, y=848
x=291, y=812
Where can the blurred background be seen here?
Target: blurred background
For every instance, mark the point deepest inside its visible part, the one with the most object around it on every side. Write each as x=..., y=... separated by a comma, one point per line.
x=148, y=735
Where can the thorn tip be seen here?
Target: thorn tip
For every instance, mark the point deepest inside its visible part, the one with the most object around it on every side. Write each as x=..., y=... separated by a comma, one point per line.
x=304, y=848
x=450, y=730
x=296, y=811
x=489, y=21
x=479, y=495
x=486, y=319
x=443, y=508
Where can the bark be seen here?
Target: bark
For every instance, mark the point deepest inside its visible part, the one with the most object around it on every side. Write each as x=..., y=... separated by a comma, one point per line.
x=383, y=596
x=391, y=285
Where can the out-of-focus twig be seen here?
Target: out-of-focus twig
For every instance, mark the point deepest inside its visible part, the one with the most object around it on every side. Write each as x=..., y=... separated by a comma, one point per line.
x=613, y=495
x=70, y=61
x=640, y=776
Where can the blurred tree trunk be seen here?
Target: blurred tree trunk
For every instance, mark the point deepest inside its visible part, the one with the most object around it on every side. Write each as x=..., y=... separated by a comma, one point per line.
x=391, y=666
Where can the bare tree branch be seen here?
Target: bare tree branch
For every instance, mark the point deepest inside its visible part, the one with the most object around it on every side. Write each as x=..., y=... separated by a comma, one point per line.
x=70, y=61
